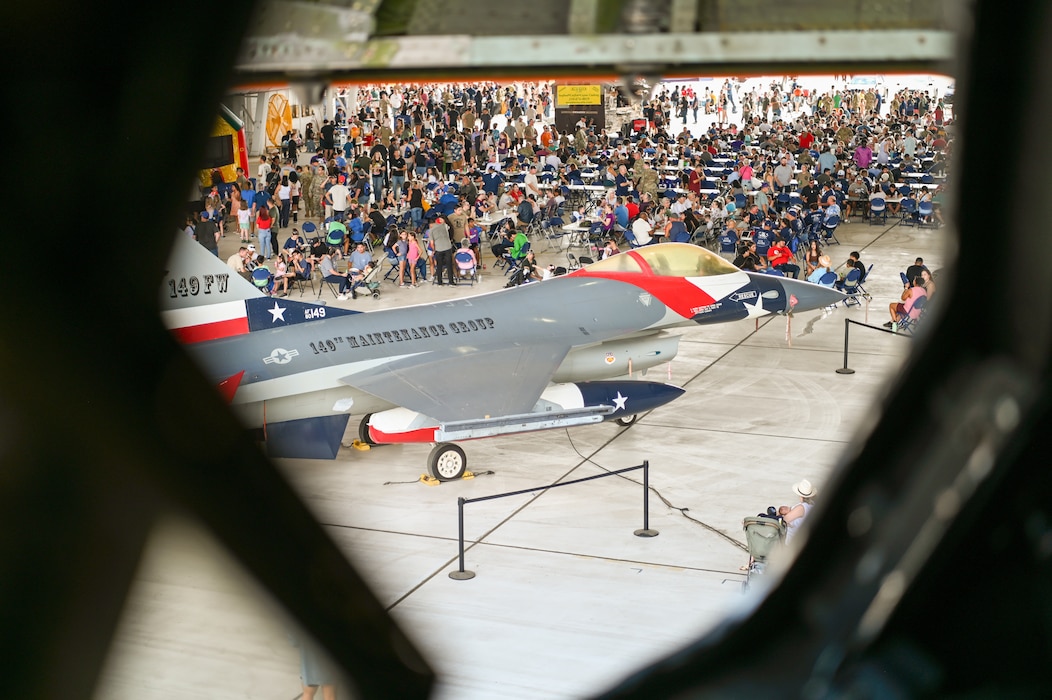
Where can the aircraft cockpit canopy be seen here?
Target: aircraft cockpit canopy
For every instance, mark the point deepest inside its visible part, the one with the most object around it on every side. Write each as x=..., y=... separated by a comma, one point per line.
x=667, y=260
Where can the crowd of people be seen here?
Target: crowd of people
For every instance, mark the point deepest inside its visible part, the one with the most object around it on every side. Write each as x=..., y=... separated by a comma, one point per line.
x=485, y=151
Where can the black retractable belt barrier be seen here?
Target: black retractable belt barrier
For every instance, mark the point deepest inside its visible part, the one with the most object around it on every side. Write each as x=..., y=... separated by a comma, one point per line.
x=461, y=575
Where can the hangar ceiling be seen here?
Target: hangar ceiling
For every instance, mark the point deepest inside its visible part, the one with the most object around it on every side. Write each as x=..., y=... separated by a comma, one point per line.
x=362, y=40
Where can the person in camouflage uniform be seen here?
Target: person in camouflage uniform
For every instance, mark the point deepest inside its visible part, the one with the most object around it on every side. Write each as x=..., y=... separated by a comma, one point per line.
x=844, y=134
x=826, y=104
x=317, y=189
x=647, y=181
x=307, y=178
x=580, y=140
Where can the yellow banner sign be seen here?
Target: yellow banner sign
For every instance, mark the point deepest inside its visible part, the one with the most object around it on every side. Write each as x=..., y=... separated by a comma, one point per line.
x=566, y=95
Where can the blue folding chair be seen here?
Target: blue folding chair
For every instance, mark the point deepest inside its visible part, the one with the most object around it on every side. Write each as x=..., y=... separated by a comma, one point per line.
x=866, y=278
x=303, y=280
x=926, y=215
x=850, y=286
x=908, y=212
x=829, y=227
x=907, y=324
x=878, y=211
x=515, y=262
x=391, y=275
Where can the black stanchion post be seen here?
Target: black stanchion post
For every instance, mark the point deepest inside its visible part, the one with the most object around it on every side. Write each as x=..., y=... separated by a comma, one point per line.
x=460, y=574
x=845, y=369
x=646, y=531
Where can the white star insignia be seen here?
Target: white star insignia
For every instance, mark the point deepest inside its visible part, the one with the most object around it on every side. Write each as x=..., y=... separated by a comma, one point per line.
x=755, y=310
x=280, y=356
x=278, y=312
x=619, y=402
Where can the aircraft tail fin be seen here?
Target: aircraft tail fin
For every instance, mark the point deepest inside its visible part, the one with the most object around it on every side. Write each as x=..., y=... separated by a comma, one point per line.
x=196, y=277
x=203, y=299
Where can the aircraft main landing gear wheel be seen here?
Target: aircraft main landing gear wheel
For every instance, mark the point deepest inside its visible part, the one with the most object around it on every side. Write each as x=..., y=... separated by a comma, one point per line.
x=626, y=421
x=447, y=462
x=363, y=430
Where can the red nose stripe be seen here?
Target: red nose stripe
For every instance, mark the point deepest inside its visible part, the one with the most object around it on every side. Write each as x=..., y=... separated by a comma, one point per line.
x=677, y=293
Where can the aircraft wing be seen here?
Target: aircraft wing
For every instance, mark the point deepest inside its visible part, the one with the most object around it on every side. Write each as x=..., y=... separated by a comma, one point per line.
x=465, y=382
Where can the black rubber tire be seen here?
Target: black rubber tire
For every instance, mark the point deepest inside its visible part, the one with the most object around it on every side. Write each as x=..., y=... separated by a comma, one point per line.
x=363, y=430
x=447, y=462
x=626, y=421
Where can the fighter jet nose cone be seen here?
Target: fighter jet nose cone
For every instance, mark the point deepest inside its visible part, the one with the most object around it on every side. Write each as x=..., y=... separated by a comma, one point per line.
x=809, y=296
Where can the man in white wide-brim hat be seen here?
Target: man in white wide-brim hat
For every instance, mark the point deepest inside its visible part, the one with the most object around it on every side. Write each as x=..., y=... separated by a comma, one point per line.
x=798, y=513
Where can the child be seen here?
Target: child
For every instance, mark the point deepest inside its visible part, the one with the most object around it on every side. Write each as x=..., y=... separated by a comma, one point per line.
x=244, y=220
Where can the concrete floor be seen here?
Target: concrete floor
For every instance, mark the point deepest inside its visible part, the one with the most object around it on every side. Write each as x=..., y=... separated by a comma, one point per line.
x=566, y=600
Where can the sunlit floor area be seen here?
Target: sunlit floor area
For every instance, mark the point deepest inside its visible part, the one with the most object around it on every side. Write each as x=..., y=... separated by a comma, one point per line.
x=566, y=599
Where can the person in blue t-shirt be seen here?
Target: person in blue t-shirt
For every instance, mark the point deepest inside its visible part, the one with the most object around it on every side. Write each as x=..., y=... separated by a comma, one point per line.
x=491, y=181
x=728, y=241
x=621, y=213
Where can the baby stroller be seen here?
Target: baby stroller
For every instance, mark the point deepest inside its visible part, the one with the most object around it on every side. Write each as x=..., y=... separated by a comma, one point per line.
x=370, y=283
x=517, y=278
x=763, y=534
x=467, y=269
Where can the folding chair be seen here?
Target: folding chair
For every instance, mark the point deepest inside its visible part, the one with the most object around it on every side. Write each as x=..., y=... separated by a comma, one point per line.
x=534, y=226
x=367, y=229
x=334, y=287
x=597, y=233
x=908, y=324
x=392, y=271
x=335, y=234
x=861, y=282
x=851, y=288
x=302, y=282
x=678, y=233
x=728, y=245
x=908, y=212
x=925, y=215
x=878, y=211
x=829, y=227
x=553, y=231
